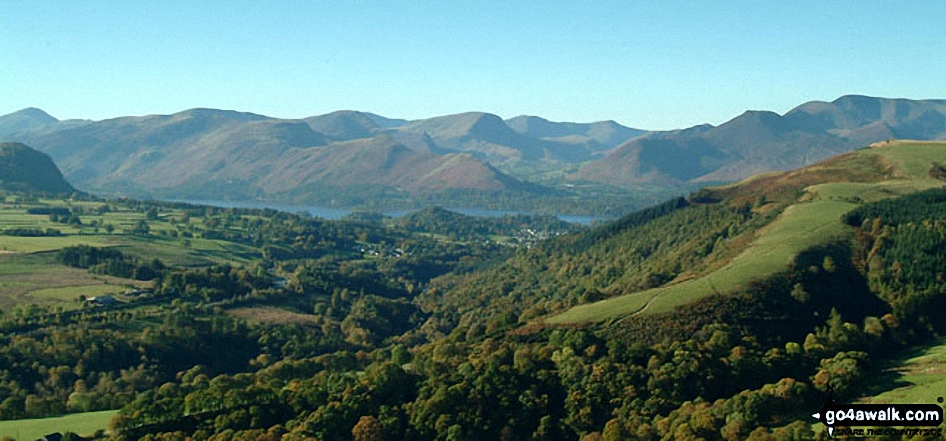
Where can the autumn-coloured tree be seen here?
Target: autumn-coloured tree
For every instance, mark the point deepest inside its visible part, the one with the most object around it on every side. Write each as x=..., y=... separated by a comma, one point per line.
x=368, y=428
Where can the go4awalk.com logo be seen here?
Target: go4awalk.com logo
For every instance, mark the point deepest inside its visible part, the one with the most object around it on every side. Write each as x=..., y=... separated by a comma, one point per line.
x=880, y=419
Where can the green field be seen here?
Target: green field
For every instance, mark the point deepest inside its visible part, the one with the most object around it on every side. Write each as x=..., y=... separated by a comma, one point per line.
x=16, y=244
x=173, y=251
x=39, y=280
x=917, y=378
x=814, y=220
x=79, y=423
x=66, y=296
x=31, y=274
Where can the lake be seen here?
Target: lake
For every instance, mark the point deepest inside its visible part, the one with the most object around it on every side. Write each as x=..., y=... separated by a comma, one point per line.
x=338, y=213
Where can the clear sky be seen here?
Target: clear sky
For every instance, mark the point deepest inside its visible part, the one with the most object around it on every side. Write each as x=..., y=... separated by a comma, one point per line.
x=651, y=65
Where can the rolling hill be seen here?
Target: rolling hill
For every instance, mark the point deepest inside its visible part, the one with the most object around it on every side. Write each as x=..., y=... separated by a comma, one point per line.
x=350, y=124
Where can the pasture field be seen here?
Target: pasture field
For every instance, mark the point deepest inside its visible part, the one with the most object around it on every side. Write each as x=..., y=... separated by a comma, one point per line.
x=38, y=279
x=16, y=244
x=814, y=220
x=186, y=252
x=31, y=274
x=274, y=315
x=79, y=423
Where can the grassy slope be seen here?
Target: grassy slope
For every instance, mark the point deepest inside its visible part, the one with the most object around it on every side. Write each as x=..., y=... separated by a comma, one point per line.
x=918, y=378
x=814, y=219
x=78, y=423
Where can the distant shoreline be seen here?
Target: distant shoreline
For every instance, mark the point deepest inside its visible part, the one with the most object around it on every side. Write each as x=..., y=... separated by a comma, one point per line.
x=339, y=213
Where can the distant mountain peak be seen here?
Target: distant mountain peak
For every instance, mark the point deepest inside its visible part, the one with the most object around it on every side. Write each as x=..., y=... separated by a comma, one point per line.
x=34, y=112
x=598, y=136
x=759, y=115
x=29, y=118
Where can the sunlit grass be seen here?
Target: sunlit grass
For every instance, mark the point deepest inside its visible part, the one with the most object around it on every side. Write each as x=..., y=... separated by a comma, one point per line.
x=920, y=379
x=814, y=220
x=80, y=423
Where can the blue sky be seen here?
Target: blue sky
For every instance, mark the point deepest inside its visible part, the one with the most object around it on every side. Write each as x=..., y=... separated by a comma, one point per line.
x=651, y=65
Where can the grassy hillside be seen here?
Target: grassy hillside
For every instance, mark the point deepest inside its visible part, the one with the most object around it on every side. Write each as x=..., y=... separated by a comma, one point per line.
x=82, y=424
x=917, y=377
x=813, y=218
x=162, y=240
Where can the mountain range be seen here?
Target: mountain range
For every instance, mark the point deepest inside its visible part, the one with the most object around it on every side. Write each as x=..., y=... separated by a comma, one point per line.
x=759, y=141
x=349, y=156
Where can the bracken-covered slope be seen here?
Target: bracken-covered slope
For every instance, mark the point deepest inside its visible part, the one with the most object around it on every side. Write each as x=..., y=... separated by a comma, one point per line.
x=23, y=169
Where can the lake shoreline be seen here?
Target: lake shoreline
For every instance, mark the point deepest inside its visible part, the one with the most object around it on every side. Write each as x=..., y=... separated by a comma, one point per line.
x=339, y=213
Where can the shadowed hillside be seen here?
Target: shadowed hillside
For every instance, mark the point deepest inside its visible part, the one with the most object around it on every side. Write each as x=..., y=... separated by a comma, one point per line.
x=27, y=170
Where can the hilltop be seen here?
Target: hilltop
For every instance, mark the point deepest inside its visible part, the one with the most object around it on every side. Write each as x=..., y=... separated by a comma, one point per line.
x=596, y=137
x=23, y=169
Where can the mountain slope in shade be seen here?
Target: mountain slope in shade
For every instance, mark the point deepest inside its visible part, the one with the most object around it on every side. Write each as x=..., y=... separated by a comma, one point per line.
x=343, y=125
x=381, y=161
x=350, y=124
x=759, y=141
x=25, y=169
